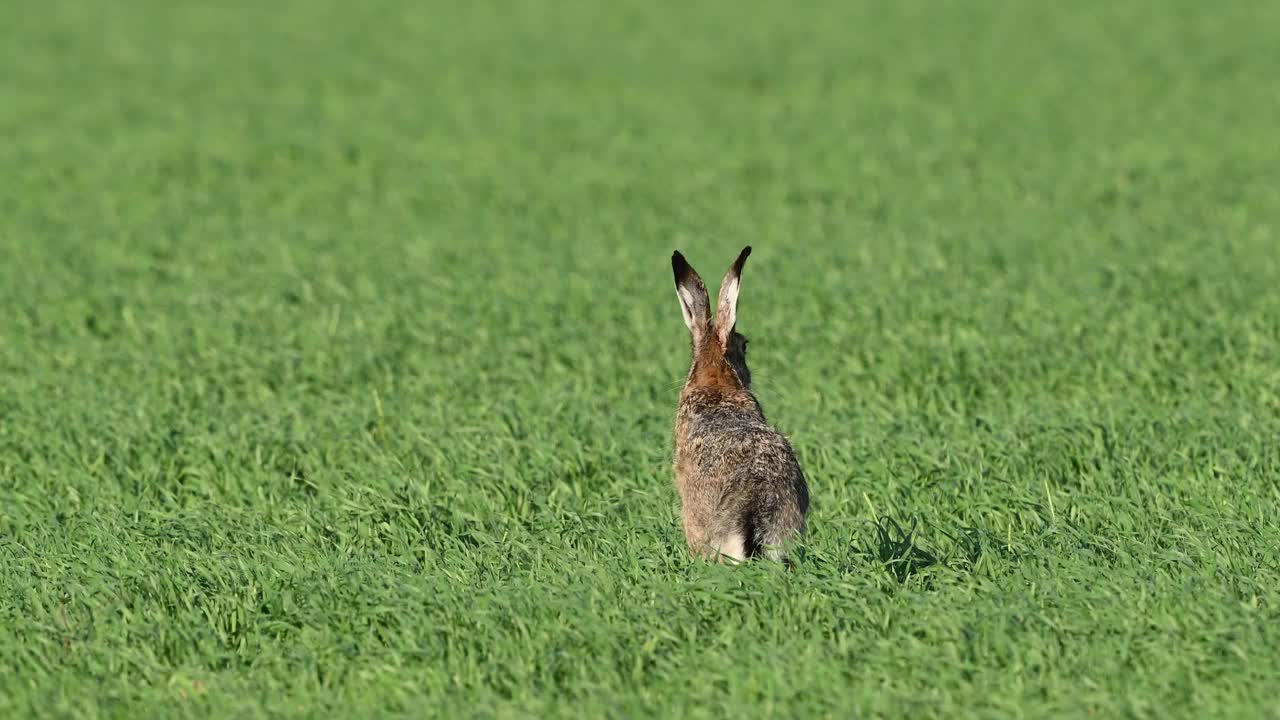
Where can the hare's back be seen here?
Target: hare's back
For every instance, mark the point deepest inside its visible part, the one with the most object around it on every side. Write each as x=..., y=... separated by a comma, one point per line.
x=765, y=473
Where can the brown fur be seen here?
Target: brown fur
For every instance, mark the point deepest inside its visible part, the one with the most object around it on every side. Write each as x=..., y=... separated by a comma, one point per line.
x=742, y=492
x=711, y=370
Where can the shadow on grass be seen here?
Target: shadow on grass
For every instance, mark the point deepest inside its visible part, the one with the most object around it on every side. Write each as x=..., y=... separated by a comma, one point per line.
x=904, y=555
x=897, y=549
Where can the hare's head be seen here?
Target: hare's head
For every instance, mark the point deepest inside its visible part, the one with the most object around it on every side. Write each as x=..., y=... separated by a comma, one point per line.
x=719, y=351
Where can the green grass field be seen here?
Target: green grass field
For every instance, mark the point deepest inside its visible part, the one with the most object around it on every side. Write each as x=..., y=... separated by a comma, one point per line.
x=339, y=352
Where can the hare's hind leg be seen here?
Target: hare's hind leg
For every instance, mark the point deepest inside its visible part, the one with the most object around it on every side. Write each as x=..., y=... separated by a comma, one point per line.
x=710, y=540
x=729, y=548
x=733, y=547
x=778, y=540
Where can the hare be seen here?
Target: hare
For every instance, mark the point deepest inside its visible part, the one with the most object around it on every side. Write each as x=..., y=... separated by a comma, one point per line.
x=742, y=492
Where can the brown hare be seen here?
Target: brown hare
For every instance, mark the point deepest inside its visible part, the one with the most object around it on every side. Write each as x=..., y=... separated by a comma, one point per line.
x=742, y=493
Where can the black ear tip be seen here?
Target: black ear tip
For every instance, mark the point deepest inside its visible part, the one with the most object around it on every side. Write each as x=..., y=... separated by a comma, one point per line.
x=678, y=263
x=746, y=251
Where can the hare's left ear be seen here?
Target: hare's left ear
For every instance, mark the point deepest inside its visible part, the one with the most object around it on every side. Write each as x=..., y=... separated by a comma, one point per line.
x=693, y=297
x=727, y=305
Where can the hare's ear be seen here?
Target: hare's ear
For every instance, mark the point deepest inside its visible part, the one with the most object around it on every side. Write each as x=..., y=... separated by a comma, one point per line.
x=727, y=305
x=693, y=297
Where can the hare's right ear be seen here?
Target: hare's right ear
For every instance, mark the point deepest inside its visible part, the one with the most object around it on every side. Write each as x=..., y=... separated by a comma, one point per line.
x=693, y=297
x=727, y=305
